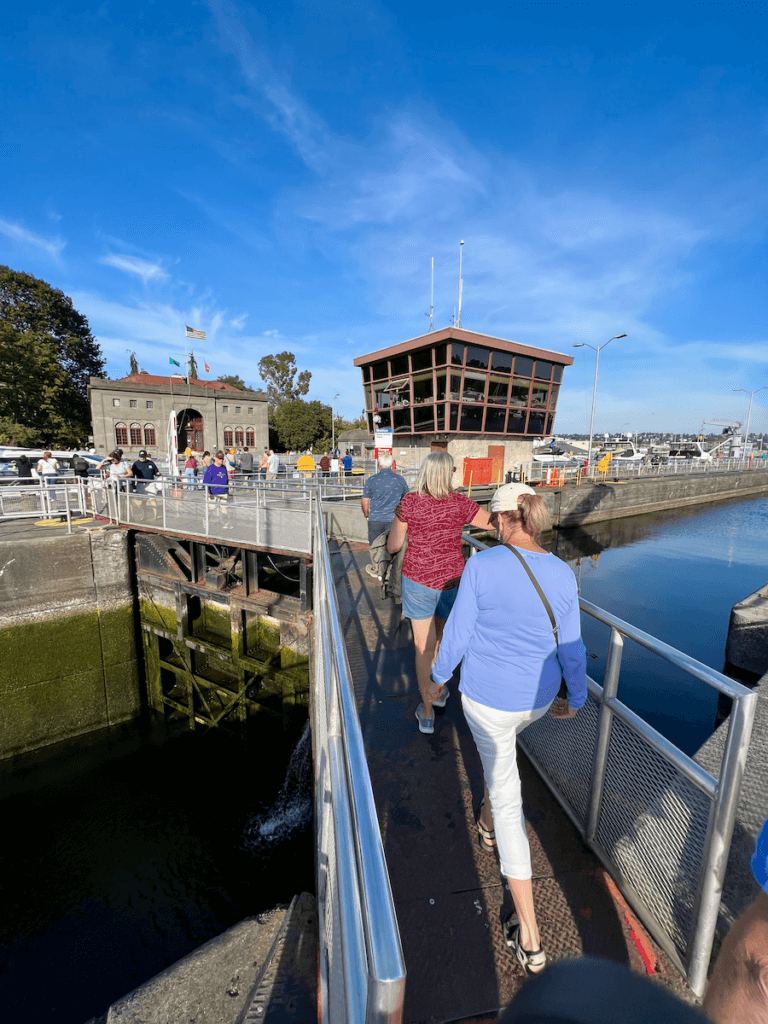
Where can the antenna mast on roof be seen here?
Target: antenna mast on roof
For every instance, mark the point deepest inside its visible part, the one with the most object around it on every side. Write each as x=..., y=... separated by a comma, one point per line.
x=431, y=313
x=458, y=318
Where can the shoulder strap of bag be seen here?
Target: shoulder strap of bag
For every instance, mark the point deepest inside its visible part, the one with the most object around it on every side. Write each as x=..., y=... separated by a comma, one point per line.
x=539, y=591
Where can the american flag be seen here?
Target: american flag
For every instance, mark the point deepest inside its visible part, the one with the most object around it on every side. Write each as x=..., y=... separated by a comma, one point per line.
x=192, y=333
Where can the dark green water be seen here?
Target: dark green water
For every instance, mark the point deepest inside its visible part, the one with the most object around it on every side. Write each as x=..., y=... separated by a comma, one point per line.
x=123, y=853
x=675, y=575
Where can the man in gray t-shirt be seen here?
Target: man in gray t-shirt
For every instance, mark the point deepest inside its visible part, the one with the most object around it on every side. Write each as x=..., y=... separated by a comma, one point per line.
x=381, y=496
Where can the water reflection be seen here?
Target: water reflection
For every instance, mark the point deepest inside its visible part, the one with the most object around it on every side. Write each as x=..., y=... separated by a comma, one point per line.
x=676, y=575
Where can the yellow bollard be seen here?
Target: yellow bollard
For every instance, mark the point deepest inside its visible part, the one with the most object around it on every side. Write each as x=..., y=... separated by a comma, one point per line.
x=469, y=491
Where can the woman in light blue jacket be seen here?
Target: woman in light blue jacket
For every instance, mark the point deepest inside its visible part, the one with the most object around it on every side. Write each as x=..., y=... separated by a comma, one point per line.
x=512, y=662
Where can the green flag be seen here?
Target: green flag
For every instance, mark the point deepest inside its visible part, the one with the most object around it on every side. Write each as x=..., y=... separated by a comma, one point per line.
x=173, y=362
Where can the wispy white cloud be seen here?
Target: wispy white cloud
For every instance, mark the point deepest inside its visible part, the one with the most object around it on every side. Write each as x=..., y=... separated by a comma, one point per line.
x=144, y=269
x=23, y=236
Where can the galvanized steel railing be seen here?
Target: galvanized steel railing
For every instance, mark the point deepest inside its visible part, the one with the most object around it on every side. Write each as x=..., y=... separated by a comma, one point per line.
x=660, y=823
x=362, y=971
x=56, y=498
x=617, y=470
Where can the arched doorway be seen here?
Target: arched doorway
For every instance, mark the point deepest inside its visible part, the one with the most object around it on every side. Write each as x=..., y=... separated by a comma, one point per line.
x=189, y=430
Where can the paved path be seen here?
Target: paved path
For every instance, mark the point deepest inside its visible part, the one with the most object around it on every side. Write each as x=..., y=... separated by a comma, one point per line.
x=449, y=895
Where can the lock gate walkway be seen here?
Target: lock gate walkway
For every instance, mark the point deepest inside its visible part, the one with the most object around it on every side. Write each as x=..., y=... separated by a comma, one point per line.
x=448, y=893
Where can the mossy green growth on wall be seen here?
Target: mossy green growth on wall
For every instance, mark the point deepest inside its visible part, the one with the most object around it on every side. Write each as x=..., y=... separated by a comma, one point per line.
x=157, y=614
x=67, y=645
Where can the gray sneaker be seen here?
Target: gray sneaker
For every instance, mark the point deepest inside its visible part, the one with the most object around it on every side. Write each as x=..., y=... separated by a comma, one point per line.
x=426, y=725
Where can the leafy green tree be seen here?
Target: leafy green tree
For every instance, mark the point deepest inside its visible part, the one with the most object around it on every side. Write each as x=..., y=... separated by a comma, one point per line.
x=47, y=354
x=284, y=382
x=24, y=437
x=302, y=424
x=234, y=380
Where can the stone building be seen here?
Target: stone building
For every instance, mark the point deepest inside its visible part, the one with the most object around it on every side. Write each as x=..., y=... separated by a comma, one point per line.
x=471, y=394
x=133, y=413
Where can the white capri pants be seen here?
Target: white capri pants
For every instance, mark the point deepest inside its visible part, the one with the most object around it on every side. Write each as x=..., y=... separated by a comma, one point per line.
x=495, y=735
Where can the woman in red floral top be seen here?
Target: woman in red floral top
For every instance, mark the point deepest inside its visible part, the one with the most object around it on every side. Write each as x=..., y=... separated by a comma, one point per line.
x=433, y=516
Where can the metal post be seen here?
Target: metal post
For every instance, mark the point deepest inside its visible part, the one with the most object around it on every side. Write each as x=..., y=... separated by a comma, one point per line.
x=162, y=489
x=610, y=688
x=720, y=831
x=594, y=396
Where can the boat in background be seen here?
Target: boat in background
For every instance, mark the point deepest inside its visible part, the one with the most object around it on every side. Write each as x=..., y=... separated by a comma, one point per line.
x=622, y=449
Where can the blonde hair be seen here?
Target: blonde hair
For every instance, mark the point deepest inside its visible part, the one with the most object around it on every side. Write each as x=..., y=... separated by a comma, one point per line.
x=435, y=475
x=532, y=516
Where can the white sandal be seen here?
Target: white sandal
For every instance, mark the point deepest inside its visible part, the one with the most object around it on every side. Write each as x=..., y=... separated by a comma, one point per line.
x=532, y=961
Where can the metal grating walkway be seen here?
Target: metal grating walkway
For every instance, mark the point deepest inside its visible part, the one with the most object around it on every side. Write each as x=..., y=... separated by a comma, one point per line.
x=448, y=893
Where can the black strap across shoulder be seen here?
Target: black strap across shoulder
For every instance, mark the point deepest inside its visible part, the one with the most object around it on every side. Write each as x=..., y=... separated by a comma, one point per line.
x=539, y=591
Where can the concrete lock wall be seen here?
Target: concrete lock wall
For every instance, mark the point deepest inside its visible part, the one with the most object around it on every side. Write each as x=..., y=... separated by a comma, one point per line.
x=67, y=634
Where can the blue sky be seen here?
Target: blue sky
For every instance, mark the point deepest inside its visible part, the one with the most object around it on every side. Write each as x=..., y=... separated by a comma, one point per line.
x=280, y=176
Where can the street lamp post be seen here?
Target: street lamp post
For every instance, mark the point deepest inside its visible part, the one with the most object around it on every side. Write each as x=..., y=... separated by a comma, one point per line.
x=596, y=349
x=749, y=414
x=333, y=427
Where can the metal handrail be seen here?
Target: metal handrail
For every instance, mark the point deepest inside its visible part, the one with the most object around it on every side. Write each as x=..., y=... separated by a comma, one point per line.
x=723, y=792
x=55, y=498
x=362, y=969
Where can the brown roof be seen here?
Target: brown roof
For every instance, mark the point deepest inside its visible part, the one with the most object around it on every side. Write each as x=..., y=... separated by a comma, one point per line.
x=148, y=378
x=472, y=338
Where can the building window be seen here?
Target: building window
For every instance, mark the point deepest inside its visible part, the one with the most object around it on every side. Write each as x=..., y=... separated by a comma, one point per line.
x=440, y=386
x=422, y=388
x=519, y=393
x=250, y=410
x=381, y=399
x=440, y=352
x=558, y=374
x=457, y=355
x=250, y=438
x=400, y=366
x=477, y=357
x=501, y=362
x=455, y=386
x=402, y=423
x=523, y=366
x=494, y=420
x=121, y=433
x=497, y=390
x=228, y=440
x=133, y=403
x=237, y=410
x=471, y=419
x=225, y=408
x=553, y=397
x=385, y=418
x=536, y=423
x=424, y=418
x=421, y=360
x=150, y=404
x=440, y=424
x=453, y=421
x=379, y=370
x=474, y=386
x=115, y=401
x=542, y=370
x=149, y=435
x=539, y=395
x=516, y=421
x=239, y=437
x=135, y=435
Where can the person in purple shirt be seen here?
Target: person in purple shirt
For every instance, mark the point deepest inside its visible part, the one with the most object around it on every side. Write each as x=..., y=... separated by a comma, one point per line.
x=512, y=662
x=215, y=482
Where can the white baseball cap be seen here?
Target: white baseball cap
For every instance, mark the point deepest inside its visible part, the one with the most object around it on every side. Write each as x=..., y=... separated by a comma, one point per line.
x=506, y=498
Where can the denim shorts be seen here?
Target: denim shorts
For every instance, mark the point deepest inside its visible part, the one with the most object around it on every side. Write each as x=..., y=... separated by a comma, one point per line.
x=420, y=602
